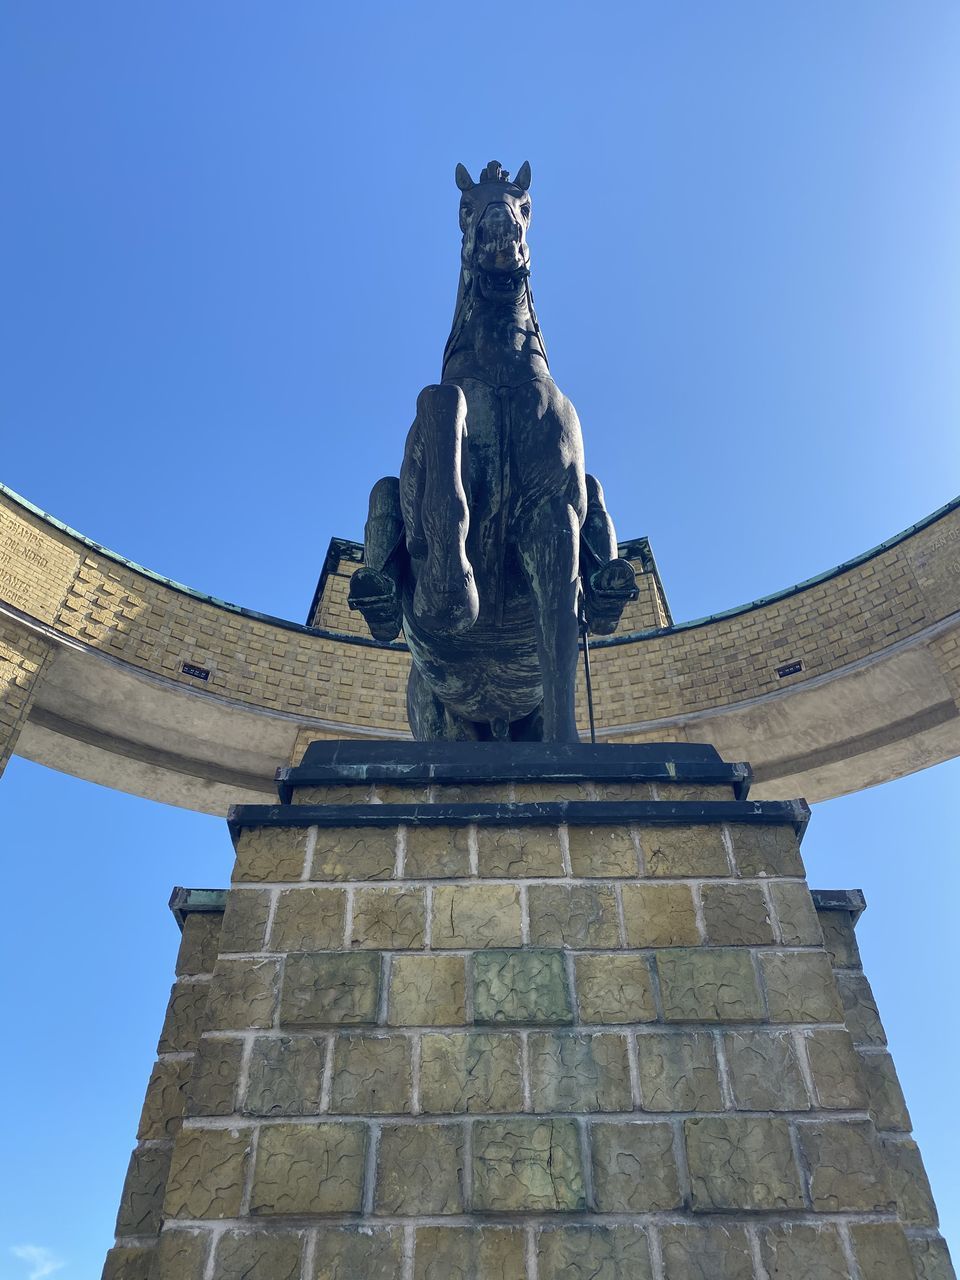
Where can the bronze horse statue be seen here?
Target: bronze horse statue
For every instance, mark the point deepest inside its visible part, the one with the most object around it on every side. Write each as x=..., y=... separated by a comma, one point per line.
x=493, y=543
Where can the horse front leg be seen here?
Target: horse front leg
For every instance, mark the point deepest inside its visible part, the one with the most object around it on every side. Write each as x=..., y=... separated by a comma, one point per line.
x=549, y=552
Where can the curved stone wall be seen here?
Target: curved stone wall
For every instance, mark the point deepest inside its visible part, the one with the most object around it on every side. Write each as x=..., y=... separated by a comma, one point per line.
x=113, y=673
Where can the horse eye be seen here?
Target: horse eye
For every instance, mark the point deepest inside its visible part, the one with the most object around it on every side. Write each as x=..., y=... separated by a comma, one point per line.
x=525, y=210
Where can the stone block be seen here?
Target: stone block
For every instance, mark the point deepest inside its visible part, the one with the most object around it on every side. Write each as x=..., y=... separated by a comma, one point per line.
x=740, y=1164
x=332, y=794
x=931, y=1259
x=128, y=1263
x=634, y=1167
x=628, y=791
x=484, y=915
x=519, y=851
x=860, y=1009
x=765, y=850
x=308, y=920
x=258, y=1255
x=141, y=1202
x=285, y=1076
x=908, y=1181
x=199, y=943
x=579, y=1072
x=184, y=1018
x=846, y=1173
x=716, y=1252
x=614, y=989
x=884, y=1095
x=882, y=1251
x=469, y=1253
x=521, y=987
x=475, y=1071
x=840, y=939
x=435, y=853
x=182, y=1255
x=163, y=1105
x=420, y=1170
x=427, y=991
x=602, y=851
x=764, y=1072
x=212, y=1087
x=243, y=994
x=800, y=987
x=548, y=792
x=660, y=915
x=400, y=793
x=309, y=1168
x=684, y=851
x=389, y=919
x=328, y=988
x=736, y=915
x=795, y=1252
x=678, y=1072
x=709, y=985
x=207, y=1173
x=593, y=1253
x=563, y=915
x=355, y=853
x=245, y=920
x=835, y=1069
x=793, y=903
x=473, y=793
x=524, y=1165
x=270, y=853
x=371, y=1075
x=358, y=1253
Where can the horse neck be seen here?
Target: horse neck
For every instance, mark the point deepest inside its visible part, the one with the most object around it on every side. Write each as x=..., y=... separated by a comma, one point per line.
x=488, y=330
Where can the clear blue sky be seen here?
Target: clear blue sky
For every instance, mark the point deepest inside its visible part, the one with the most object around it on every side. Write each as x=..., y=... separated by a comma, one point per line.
x=228, y=253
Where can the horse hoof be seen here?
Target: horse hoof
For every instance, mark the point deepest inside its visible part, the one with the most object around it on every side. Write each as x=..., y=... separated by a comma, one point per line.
x=445, y=611
x=376, y=596
x=607, y=592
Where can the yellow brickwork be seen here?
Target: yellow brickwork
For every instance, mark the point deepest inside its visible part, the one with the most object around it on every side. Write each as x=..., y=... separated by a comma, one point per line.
x=23, y=657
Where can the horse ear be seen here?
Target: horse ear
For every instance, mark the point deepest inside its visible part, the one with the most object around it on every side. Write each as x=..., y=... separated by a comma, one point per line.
x=523, y=177
x=464, y=181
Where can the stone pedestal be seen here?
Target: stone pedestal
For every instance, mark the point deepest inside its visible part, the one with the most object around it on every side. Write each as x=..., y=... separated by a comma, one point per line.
x=523, y=1013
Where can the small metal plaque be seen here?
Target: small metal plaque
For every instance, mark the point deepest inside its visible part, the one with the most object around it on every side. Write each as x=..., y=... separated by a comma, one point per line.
x=791, y=669
x=199, y=673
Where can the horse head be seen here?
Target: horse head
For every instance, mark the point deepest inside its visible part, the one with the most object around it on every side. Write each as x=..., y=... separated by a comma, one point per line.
x=494, y=217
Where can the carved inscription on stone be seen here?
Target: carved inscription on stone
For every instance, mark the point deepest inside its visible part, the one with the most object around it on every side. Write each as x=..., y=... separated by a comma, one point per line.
x=934, y=556
x=35, y=569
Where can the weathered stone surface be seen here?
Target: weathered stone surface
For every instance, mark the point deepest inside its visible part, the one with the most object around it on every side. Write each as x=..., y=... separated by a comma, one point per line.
x=908, y=1181
x=678, y=1072
x=602, y=851
x=884, y=1095
x=519, y=851
x=860, y=1009
x=484, y=915
x=718, y=1252
x=580, y=915
x=715, y=985
x=527, y=1165
x=371, y=1075
x=270, y=853
x=800, y=987
x=579, y=1072
x=358, y=1253
x=332, y=794
x=634, y=1167
x=764, y=1073
x=163, y=1105
x=427, y=991
x=537, y=792
x=327, y=988
x=420, y=1169
x=469, y=1253
x=795, y=1252
x=684, y=851
x=613, y=989
x=308, y=920
x=436, y=852
x=207, y=1173
x=629, y=791
x=835, y=1068
x=258, y=1255
x=766, y=850
x=245, y=920
x=309, y=1168
x=882, y=1251
x=355, y=853
x=520, y=987
x=243, y=994
x=931, y=1259
x=473, y=793
x=793, y=903
x=470, y=1072
x=660, y=915
x=845, y=1168
x=593, y=1253
x=736, y=915
x=128, y=1263
x=184, y=1018
x=840, y=939
x=199, y=943
x=389, y=918
x=143, y=1187
x=212, y=1087
x=285, y=1076
x=181, y=1255
x=399, y=793
x=741, y=1163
